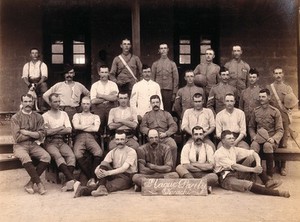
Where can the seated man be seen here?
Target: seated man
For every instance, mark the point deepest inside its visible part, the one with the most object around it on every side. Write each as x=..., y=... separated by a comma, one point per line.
x=87, y=125
x=232, y=119
x=123, y=118
x=27, y=127
x=115, y=172
x=58, y=125
x=154, y=159
x=199, y=116
x=266, y=117
x=197, y=159
x=236, y=167
x=184, y=96
x=163, y=122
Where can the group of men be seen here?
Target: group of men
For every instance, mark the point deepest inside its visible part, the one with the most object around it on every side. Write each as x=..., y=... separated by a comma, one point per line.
x=216, y=144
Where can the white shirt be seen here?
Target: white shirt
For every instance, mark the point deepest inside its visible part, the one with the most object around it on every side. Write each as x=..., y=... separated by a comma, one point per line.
x=104, y=88
x=53, y=122
x=188, y=153
x=191, y=118
x=34, y=70
x=235, y=122
x=121, y=113
x=140, y=96
x=86, y=120
x=225, y=158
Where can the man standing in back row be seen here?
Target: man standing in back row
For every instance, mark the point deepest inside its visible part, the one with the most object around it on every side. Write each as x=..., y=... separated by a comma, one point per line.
x=126, y=68
x=165, y=73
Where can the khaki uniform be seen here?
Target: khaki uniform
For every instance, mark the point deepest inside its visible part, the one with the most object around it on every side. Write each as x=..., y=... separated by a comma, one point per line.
x=249, y=100
x=165, y=73
x=211, y=71
x=184, y=98
x=216, y=96
x=238, y=71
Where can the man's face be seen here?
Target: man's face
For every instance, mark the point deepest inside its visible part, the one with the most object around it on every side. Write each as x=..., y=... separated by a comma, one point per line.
x=70, y=75
x=253, y=78
x=153, y=138
x=103, y=73
x=155, y=104
x=263, y=98
x=55, y=102
x=228, y=141
x=198, y=136
x=163, y=49
x=27, y=103
x=209, y=55
x=229, y=102
x=278, y=74
x=225, y=76
x=126, y=45
x=120, y=140
x=147, y=74
x=123, y=99
x=86, y=104
x=189, y=77
x=237, y=52
x=198, y=103
x=34, y=54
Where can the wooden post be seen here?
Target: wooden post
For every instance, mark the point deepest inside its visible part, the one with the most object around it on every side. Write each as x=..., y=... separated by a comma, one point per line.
x=135, y=23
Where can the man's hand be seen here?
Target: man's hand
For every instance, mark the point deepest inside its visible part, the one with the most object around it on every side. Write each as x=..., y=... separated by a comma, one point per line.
x=257, y=169
x=162, y=135
x=25, y=132
x=150, y=165
x=271, y=140
x=100, y=173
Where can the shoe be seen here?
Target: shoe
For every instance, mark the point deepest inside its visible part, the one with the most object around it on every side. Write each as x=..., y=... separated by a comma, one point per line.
x=29, y=187
x=283, y=172
x=272, y=184
x=101, y=191
x=91, y=183
x=137, y=188
x=69, y=186
x=285, y=194
x=209, y=189
x=41, y=188
x=78, y=189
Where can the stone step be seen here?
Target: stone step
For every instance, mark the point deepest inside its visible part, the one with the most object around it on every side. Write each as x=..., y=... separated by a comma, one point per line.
x=8, y=161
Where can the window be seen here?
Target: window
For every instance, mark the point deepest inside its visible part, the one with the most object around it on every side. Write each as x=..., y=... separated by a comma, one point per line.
x=57, y=50
x=204, y=44
x=184, y=51
x=78, y=52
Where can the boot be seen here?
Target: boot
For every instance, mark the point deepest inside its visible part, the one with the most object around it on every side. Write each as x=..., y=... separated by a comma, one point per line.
x=41, y=188
x=29, y=187
x=101, y=191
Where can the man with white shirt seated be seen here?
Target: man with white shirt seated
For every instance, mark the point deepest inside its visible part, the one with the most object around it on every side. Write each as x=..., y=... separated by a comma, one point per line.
x=197, y=159
x=58, y=126
x=123, y=118
x=199, y=116
x=142, y=91
x=232, y=119
x=87, y=125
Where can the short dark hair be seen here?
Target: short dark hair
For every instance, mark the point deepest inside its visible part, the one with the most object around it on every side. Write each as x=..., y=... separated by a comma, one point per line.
x=34, y=48
x=120, y=132
x=197, y=95
x=26, y=95
x=265, y=91
x=229, y=94
x=277, y=67
x=145, y=66
x=52, y=95
x=126, y=39
x=197, y=128
x=123, y=92
x=189, y=70
x=253, y=71
x=154, y=97
x=103, y=67
x=210, y=49
x=223, y=69
x=225, y=133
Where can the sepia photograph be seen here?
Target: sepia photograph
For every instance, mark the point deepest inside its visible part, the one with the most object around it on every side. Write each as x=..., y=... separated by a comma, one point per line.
x=149, y=110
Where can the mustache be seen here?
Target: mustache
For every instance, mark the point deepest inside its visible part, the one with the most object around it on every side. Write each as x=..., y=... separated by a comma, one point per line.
x=154, y=144
x=119, y=144
x=155, y=106
x=198, y=140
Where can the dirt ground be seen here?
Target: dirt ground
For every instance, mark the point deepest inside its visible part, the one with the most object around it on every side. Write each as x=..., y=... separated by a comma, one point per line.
x=221, y=205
